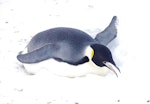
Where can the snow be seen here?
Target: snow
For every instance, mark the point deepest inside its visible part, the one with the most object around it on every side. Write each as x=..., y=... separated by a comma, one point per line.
x=22, y=19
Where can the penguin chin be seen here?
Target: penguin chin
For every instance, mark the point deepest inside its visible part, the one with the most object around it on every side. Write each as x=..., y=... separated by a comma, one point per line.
x=112, y=67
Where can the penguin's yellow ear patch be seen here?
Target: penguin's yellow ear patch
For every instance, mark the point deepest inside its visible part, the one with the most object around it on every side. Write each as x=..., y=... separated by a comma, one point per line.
x=89, y=52
x=92, y=53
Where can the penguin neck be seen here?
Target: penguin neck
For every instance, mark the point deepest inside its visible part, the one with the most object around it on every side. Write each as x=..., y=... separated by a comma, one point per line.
x=93, y=68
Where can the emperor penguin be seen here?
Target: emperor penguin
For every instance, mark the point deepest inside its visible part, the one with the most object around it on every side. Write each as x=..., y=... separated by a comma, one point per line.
x=74, y=51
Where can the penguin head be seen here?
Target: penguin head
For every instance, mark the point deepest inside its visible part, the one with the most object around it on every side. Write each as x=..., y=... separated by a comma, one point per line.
x=101, y=56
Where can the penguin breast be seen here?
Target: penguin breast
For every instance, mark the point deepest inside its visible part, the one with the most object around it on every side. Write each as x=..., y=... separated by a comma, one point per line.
x=66, y=70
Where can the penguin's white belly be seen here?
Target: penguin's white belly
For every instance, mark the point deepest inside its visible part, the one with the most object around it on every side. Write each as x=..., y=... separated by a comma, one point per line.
x=65, y=69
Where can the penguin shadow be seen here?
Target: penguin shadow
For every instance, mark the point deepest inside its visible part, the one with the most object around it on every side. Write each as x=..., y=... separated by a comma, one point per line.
x=21, y=67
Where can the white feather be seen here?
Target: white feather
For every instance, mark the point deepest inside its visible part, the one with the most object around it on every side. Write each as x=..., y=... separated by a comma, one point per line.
x=65, y=69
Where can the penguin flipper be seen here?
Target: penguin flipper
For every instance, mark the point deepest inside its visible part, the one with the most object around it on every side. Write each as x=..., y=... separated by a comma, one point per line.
x=38, y=55
x=50, y=51
x=108, y=34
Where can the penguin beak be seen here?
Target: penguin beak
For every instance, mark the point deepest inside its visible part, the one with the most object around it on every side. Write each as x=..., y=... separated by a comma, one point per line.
x=111, y=67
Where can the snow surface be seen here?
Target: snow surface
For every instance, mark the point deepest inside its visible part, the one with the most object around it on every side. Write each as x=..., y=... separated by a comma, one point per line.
x=22, y=19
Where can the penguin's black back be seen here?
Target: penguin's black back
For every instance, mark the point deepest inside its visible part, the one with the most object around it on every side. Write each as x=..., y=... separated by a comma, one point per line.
x=74, y=37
